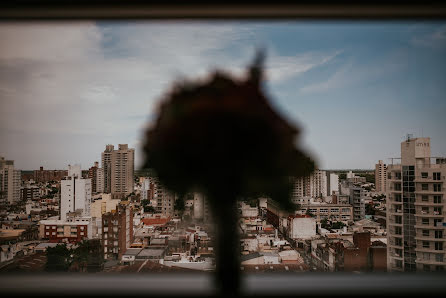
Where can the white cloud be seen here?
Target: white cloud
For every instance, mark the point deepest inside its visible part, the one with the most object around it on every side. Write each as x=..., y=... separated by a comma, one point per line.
x=78, y=81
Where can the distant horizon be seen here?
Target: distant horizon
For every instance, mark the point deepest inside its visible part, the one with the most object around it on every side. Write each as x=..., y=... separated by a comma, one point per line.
x=354, y=89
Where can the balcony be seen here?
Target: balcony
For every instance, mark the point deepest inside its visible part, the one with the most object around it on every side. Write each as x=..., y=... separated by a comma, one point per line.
x=428, y=262
x=429, y=179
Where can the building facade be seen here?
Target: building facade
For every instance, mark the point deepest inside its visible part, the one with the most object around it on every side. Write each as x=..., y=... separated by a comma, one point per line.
x=106, y=166
x=117, y=231
x=42, y=175
x=75, y=194
x=313, y=186
x=415, y=209
x=10, y=182
x=380, y=177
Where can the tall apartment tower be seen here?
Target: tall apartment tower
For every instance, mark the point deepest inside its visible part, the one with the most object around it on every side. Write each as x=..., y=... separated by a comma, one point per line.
x=314, y=185
x=332, y=183
x=75, y=193
x=106, y=166
x=415, y=209
x=10, y=182
x=122, y=171
x=93, y=175
x=380, y=177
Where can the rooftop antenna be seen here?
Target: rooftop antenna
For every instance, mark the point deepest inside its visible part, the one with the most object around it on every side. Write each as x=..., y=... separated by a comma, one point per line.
x=409, y=136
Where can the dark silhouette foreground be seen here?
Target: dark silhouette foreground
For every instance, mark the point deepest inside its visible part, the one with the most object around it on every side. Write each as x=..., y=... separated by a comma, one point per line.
x=222, y=138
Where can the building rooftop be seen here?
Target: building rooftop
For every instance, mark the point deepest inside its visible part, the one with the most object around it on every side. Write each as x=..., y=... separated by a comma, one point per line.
x=151, y=252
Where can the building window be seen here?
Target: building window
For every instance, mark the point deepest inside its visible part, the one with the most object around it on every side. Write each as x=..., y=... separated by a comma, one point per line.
x=437, y=187
x=439, y=268
x=439, y=257
x=398, y=219
x=426, y=244
x=437, y=176
x=437, y=199
x=437, y=210
x=426, y=233
x=424, y=198
x=438, y=245
x=439, y=234
x=398, y=242
x=424, y=186
x=426, y=267
x=424, y=210
x=425, y=221
x=437, y=222
x=398, y=230
x=424, y=175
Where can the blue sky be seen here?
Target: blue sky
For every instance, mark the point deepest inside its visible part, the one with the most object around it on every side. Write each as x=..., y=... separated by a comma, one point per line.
x=354, y=88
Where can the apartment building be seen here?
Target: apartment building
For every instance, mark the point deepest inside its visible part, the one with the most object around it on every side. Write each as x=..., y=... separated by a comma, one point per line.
x=70, y=231
x=117, y=231
x=75, y=193
x=95, y=173
x=10, y=182
x=106, y=166
x=313, y=186
x=42, y=175
x=380, y=177
x=334, y=212
x=415, y=209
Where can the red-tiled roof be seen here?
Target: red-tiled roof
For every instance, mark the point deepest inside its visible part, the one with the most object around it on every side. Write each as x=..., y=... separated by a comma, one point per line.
x=155, y=221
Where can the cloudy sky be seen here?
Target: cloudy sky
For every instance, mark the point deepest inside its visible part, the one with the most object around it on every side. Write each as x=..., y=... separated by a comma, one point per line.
x=355, y=89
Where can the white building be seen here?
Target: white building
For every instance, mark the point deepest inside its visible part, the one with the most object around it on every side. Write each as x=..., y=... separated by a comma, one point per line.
x=75, y=193
x=301, y=227
x=201, y=207
x=416, y=217
x=332, y=183
x=10, y=182
x=145, y=189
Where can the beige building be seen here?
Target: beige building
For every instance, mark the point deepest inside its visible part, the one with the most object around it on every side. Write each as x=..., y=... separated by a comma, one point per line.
x=106, y=167
x=313, y=186
x=10, y=182
x=335, y=212
x=118, y=170
x=380, y=177
x=415, y=209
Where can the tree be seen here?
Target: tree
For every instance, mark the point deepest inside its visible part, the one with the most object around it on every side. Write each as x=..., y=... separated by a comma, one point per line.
x=58, y=258
x=88, y=255
x=223, y=138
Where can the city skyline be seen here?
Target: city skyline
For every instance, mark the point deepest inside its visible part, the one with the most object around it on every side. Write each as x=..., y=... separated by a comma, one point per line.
x=69, y=89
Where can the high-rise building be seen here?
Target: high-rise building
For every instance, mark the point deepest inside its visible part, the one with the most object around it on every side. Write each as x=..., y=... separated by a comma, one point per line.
x=100, y=180
x=332, y=183
x=122, y=171
x=75, y=193
x=380, y=177
x=93, y=175
x=356, y=198
x=106, y=166
x=415, y=209
x=10, y=182
x=96, y=174
x=314, y=185
x=118, y=170
x=117, y=231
